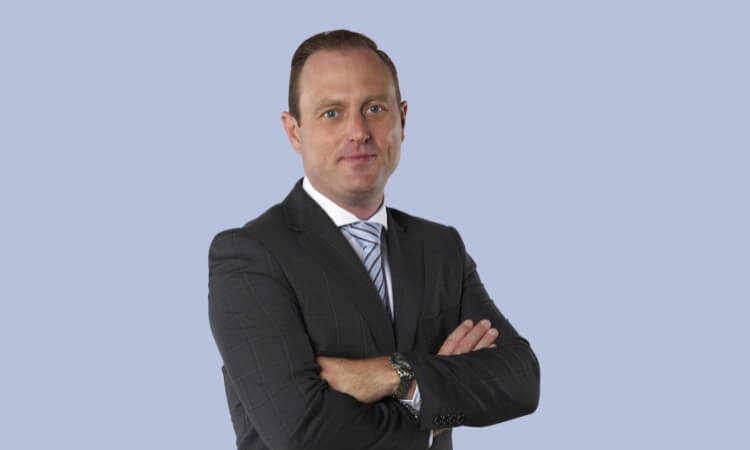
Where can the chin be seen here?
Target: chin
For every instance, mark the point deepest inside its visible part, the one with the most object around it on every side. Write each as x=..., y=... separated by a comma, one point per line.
x=362, y=187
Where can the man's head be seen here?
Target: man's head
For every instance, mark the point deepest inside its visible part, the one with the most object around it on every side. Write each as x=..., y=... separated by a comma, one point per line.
x=346, y=117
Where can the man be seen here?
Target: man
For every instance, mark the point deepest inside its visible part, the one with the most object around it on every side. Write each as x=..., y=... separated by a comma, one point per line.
x=344, y=324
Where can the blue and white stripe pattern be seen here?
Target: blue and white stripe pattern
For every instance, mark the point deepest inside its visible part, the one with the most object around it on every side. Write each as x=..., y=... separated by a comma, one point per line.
x=367, y=235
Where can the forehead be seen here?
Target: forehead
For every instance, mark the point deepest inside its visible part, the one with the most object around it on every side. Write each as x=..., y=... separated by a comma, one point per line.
x=346, y=73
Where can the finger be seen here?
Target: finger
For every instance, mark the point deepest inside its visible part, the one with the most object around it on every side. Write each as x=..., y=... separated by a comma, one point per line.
x=472, y=337
x=455, y=337
x=488, y=338
x=322, y=363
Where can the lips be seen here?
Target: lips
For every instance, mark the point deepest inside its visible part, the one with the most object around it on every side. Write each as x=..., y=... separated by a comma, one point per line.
x=359, y=157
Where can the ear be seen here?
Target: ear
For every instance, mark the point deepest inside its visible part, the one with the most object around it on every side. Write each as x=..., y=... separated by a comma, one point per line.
x=292, y=130
x=403, y=107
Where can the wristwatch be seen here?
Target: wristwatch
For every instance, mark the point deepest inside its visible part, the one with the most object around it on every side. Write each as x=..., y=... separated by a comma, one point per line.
x=405, y=373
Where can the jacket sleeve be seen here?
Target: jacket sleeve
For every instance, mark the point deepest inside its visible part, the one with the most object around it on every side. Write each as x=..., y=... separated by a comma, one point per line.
x=269, y=359
x=482, y=387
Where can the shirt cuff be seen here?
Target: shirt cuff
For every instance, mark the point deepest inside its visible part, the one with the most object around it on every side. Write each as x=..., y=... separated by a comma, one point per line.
x=416, y=401
x=414, y=404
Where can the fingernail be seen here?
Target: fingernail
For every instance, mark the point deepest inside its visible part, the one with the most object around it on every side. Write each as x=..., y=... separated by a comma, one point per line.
x=486, y=323
x=493, y=332
x=468, y=322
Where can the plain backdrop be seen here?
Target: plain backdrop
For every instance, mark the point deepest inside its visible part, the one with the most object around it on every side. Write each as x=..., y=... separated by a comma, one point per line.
x=593, y=155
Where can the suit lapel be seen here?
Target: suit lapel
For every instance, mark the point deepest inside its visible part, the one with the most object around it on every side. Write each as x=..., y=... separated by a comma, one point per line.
x=406, y=258
x=327, y=245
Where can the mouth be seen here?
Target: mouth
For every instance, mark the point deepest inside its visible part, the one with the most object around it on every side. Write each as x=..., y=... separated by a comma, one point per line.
x=358, y=158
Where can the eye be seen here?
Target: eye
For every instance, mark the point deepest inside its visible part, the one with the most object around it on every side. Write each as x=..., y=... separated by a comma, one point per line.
x=330, y=114
x=375, y=108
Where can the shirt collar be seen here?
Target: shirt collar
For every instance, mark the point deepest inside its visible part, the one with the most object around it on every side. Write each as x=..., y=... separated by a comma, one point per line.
x=339, y=215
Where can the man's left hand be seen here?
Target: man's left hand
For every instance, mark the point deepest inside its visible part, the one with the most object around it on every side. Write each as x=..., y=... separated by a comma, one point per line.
x=367, y=380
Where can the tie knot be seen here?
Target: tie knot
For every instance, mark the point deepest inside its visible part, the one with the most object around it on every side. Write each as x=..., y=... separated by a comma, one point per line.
x=367, y=234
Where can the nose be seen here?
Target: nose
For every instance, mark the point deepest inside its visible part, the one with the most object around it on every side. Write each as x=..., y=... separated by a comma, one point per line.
x=358, y=131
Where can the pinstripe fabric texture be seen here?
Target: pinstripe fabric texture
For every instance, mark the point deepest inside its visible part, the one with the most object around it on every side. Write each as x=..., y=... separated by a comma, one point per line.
x=367, y=235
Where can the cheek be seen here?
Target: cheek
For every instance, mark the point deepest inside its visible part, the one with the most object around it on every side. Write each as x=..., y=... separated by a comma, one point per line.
x=393, y=143
x=320, y=148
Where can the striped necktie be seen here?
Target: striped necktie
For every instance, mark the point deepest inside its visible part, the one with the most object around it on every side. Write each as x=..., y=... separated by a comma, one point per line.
x=367, y=235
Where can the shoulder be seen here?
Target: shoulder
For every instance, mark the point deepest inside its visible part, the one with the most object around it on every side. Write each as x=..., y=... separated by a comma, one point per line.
x=267, y=227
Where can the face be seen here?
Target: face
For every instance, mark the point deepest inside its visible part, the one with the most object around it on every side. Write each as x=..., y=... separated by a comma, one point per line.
x=351, y=125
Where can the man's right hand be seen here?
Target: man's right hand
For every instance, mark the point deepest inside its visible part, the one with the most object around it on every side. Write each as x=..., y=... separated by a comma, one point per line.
x=467, y=337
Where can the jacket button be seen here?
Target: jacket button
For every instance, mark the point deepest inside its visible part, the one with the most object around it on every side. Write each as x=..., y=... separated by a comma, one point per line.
x=436, y=420
x=460, y=419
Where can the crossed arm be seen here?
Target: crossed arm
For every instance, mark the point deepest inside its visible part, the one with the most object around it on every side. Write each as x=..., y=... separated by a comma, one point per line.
x=371, y=379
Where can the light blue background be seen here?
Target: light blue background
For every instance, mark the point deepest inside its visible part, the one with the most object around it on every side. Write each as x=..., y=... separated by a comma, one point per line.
x=594, y=156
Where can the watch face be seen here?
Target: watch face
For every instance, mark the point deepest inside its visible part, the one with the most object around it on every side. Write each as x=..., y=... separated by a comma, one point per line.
x=399, y=359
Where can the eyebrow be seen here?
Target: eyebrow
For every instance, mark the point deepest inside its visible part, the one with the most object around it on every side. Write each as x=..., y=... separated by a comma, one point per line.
x=381, y=98
x=329, y=102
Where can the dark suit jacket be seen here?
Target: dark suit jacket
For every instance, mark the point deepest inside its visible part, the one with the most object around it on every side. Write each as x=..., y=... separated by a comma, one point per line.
x=288, y=287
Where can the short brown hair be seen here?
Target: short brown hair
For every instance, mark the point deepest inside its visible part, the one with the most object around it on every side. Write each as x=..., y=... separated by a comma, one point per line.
x=331, y=40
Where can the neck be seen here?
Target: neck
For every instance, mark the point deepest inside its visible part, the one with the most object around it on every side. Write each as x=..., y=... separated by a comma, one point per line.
x=362, y=206
x=362, y=209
